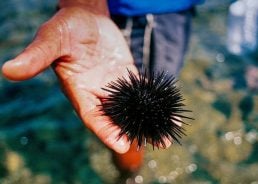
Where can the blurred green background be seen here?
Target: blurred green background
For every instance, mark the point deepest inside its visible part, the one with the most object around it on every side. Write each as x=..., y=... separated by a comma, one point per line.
x=42, y=141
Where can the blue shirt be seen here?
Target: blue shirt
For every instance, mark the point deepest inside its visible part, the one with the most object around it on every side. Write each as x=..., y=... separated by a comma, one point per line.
x=141, y=7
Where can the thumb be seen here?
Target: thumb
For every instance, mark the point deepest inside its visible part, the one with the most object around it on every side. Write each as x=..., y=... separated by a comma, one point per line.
x=44, y=49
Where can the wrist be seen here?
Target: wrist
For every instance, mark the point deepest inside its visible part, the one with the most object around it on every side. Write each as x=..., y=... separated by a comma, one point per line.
x=94, y=6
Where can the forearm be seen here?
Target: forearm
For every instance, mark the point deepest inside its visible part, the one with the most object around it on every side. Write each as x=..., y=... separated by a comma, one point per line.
x=96, y=6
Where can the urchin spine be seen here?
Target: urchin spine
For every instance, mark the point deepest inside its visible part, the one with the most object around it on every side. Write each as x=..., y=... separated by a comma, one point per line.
x=146, y=107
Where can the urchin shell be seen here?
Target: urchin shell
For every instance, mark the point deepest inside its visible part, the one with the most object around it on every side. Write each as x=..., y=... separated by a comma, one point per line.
x=146, y=108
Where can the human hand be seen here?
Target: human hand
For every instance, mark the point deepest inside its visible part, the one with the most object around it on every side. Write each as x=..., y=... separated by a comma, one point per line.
x=86, y=51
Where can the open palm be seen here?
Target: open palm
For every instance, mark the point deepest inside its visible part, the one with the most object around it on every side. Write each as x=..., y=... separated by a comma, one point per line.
x=86, y=51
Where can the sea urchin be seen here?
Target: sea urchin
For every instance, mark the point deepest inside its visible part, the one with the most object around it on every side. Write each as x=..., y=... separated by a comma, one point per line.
x=146, y=108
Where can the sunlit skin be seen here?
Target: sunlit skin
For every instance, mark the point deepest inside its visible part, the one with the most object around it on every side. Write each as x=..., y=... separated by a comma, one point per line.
x=86, y=51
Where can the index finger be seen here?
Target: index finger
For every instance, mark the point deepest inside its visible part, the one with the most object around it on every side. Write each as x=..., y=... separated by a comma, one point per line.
x=106, y=131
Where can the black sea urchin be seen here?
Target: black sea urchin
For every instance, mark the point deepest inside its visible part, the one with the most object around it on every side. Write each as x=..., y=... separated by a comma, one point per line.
x=148, y=107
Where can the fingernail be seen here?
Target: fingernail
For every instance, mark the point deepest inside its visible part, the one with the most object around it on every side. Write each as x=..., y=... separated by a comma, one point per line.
x=121, y=145
x=167, y=144
x=12, y=63
x=9, y=61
